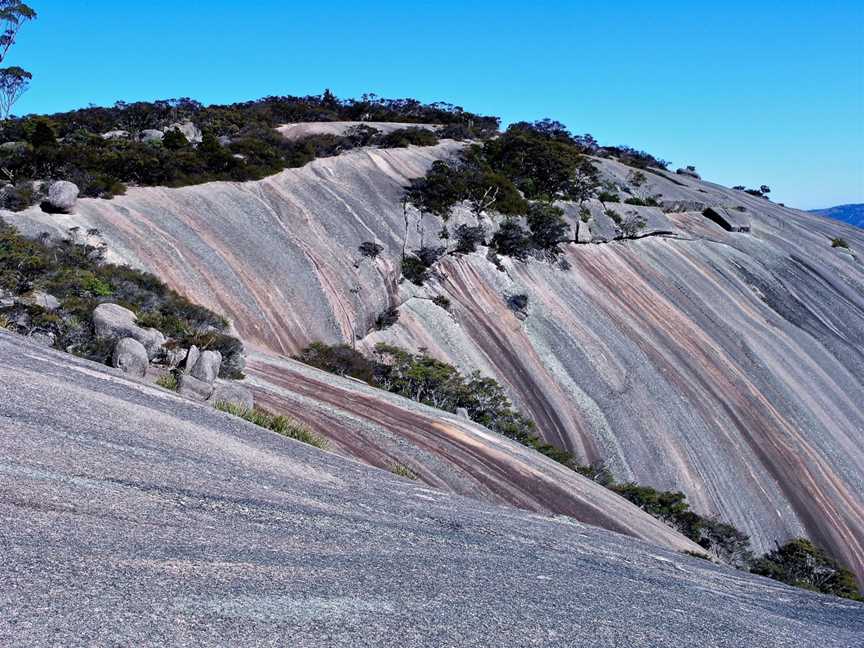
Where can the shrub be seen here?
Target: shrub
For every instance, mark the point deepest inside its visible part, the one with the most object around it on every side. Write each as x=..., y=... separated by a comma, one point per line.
x=407, y=137
x=636, y=178
x=802, y=564
x=340, y=359
x=168, y=381
x=441, y=301
x=512, y=240
x=614, y=215
x=402, y=471
x=518, y=303
x=386, y=319
x=608, y=196
x=370, y=250
x=277, y=423
x=415, y=270
x=632, y=225
x=469, y=237
x=643, y=202
x=547, y=226
x=838, y=242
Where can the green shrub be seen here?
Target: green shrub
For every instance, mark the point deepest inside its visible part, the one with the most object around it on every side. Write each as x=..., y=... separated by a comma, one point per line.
x=168, y=381
x=275, y=422
x=547, y=226
x=608, y=196
x=339, y=359
x=802, y=564
x=441, y=301
x=469, y=237
x=407, y=137
x=402, y=471
x=370, y=249
x=415, y=270
x=386, y=319
x=838, y=242
x=511, y=239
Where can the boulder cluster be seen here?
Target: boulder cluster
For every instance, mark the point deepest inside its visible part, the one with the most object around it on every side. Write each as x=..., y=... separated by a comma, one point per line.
x=137, y=347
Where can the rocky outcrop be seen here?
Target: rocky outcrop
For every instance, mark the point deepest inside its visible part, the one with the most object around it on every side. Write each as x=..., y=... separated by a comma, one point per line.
x=206, y=367
x=130, y=356
x=724, y=365
x=62, y=197
x=151, y=135
x=190, y=131
x=193, y=388
x=39, y=298
x=114, y=322
x=115, y=135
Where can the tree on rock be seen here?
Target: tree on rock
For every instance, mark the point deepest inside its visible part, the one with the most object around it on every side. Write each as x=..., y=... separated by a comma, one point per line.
x=14, y=81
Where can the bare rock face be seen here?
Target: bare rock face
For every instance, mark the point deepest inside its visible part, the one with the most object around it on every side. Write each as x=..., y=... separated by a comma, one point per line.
x=206, y=367
x=114, y=322
x=229, y=391
x=130, y=356
x=62, y=197
x=189, y=130
x=192, y=358
x=115, y=134
x=151, y=135
x=41, y=299
x=193, y=388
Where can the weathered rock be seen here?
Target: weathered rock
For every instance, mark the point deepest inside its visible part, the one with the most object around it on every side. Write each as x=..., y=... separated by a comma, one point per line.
x=731, y=220
x=173, y=357
x=43, y=338
x=130, y=356
x=14, y=146
x=151, y=135
x=115, y=134
x=114, y=322
x=461, y=412
x=189, y=130
x=41, y=299
x=207, y=366
x=230, y=391
x=191, y=358
x=584, y=233
x=193, y=388
x=7, y=298
x=62, y=196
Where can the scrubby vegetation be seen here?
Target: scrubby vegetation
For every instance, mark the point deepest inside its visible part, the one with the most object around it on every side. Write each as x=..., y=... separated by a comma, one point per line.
x=838, y=242
x=238, y=141
x=402, y=471
x=276, y=422
x=168, y=381
x=424, y=379
x=76, y=276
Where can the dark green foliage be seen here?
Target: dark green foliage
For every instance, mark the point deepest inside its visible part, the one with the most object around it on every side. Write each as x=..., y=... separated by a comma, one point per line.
x=340, y=359
x=802, y=564
x=547, y=225
x=518, y=303
x=370, y=250
x=407, y=137
x=100, y=167
x=441, y=301
x=633, y=157
x=416, y=269
x=643, y=202
x=230, y=347
x=615, y=216
x=386, y=319
x=511, y=239
x=838, y=242
x=468, y=238
x=75, y=275
x=608, y=196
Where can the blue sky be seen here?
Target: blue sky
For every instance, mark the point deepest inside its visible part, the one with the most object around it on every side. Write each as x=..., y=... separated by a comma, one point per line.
x=769, y=94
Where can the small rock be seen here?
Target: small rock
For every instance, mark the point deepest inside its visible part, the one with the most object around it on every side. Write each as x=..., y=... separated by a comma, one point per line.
x=130, y=356
x=462, y=413
x=39, y=298
x=43, y=338
x=151, y=135
x=174, y=357
x=113, y=322
x=229, y=391
x=62, y=196
x=206, y=368
x=193, y=388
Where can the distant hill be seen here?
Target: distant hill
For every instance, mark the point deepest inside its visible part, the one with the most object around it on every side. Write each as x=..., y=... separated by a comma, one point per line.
x=853, y=214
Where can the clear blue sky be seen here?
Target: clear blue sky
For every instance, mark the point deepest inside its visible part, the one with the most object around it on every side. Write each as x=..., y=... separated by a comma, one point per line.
x=751, y=93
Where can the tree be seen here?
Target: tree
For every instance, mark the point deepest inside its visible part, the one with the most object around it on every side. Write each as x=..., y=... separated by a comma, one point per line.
x=14, y=82
x=511, y=240
x=13, y=15
x=547, y=225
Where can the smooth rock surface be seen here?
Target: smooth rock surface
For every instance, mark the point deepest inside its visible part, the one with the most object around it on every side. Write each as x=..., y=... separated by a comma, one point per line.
x=62, y=196
x=206, y=367
x=132, y=517
x=724, y=365
x=130, y=356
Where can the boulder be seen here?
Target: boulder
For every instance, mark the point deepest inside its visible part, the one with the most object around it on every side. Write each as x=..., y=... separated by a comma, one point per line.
x=174, y=357
x=193, y=388
x=115, y=134
x=207, y=366
x=462, y=413
x=130, y=356
x=62, y=196
x=189, y=130
x=7, y=299
x=191, y=358
x=114, y=322
x=151, y=135
x=230, y=391
x=39, y=298
x=689, y=172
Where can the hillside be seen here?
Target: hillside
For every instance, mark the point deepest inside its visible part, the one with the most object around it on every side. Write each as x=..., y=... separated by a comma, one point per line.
x=135, y=517
x=723, y=364
x=852, y=214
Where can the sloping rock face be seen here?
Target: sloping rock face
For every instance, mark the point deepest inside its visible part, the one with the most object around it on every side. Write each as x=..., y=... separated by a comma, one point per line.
x=114, y=498
x=728, y=365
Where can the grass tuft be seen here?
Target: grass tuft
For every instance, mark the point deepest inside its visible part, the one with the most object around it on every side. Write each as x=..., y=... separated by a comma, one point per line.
x=168, y=381
x=278, y=423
